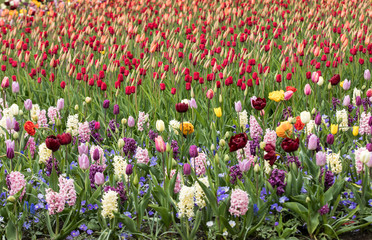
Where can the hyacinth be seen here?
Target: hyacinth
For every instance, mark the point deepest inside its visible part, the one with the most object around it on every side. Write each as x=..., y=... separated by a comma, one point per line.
x=55, y=201
x=335, y=102
x=199, y=163
x=109, y=204
x=323, y=210
x=359, y=164
x=53, y=114
x=120, y=166
x=235, y=174
x=153, y=135
x=334, y=162
x=293, y=159
x=16, y=182
x=94, y=133
x=175, y=148
x=267, y=167
x=113, y=127
x=84, y=132
x=120, y=190
x=342, y=119
x=67, y=190
x=254, y=144
x=142, y=119
x=44, y=153
x=328, y=179
x=130, y=146
x=31, y=146
x=310, y=127
x=243, y=119
x=199, y=193
x=142, y=155
x=186, y=202
x=277, y=179
x=255, y=128
x=177, y=185
x=42, y=120
x=101, y=153
x=287, y=113
x=364, y=128
x=239, y=203
x=35, y=111
x=49, y=166
x=94, y=168
x=72, y=125
x=244, y=153
x=174, y=125
x=270, y=137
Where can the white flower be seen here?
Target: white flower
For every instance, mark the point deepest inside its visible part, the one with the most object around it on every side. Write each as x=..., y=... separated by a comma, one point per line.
x=14, y=110
x=334, y=162
x=160, y=125
x=365, y=156
x=109, y=204
x=73, y=125
x=243, y=119
x=225, y=233
x=342, y=120
x=232, y=223
x=320, y=81
x=210, y=224
x=185, y=101
x=199, y=193
x=174, y=125
x=186, y=203
x=310, y=126
x=305, y=117
x=356, y=93
x=44, y=153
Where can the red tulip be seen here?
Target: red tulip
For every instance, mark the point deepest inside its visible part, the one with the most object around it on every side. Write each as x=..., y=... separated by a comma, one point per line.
x=238, y=142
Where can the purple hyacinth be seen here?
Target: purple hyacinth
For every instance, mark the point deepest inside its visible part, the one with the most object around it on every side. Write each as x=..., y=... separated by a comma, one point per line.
x=254, y=144
x=175, y=148
x=94, y=168
x=153, y=135
x=323, y=210
x=49, y=166
x=235, y=174
x=328, y=179
x=277, y=179
x=130, y=146
x=120, y=190
x=287, y=112
x=113, y=126
x=94, y=134
x=294, y=159
x=335, y=102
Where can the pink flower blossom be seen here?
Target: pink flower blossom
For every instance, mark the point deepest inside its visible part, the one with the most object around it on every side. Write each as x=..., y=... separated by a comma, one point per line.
x=238, y=203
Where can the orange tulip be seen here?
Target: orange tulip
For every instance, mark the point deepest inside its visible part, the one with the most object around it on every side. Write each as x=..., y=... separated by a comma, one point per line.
x=284, y=130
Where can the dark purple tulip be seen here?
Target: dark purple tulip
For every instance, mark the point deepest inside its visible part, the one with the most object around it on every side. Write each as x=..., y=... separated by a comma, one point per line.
x=370, y=121
x=318, y=119
x=369, y=147
x=186, y=169
x=129, y=169
x=358, y=101
x=96, y=155
x=106, y=104
x=10, y=153
x=16, y=126
x=330, y=139
x=116, y=109
x=193, y=151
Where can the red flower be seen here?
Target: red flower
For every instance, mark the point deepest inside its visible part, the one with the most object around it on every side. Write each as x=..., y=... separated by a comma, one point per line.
x=299, y=125
x=270, y=154
x=64, y=138
x=162, y=86
x=173, y=91
x=182, y=107
x=290, y=88
x=30, y=128
x=52, y=143
x=259, y=103
x=63, y=84
x=335, y=79
x=290, y=145
x=238, y=142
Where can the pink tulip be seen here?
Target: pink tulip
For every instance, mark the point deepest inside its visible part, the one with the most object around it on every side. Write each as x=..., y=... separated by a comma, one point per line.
x=160, y=144
x=315, y=77
x=5, y=82
x=210, y=94
x=307, y=90
x=99, y=178
x=369, y=93
x=288, y=95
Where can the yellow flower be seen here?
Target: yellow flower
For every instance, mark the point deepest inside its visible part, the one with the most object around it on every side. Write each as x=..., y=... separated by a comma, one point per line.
x=334, y=128
x=186, y=128
x=342, y=84
x=102, y=52
x=276, y=96
x=355, y=130
x=218, y=112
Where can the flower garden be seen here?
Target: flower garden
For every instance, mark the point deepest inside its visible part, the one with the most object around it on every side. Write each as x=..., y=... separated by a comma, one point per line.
x=186, y=119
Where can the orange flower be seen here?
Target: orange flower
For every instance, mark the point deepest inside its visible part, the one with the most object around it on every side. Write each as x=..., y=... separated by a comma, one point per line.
x=290, y=88
x=299, y=125
x=284, y=130
x=30, y=128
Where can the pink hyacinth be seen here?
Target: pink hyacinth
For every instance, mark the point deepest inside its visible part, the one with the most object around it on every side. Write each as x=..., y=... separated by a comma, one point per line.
x=31, y=146
x=84, y=132
x=67, y=189
x=53, y=114
x=364, y=128
x=177, y=186
x=55, y=201
x=238, y=203
x=142, y=117
x=42, y=119
x=200, y=162
x=142, y=155
x=270, y=137
x=359, y=164
x=15, y=182
x=246, y=151
x=255, y=128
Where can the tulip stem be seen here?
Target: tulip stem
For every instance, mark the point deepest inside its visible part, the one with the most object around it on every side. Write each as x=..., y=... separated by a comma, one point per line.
x=275, y=113
x=209, y=103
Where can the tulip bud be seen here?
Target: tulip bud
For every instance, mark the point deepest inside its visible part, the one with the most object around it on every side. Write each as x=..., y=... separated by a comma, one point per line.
x=330, y=139
x=96, y=155
x=83, y=162
x=168, y=147
x=308, y=199
x=124, y=121
x=11, y=199
x=129, y=169
x=216, y=159
x=222, y=143
x=220, y=99
x=212, y=147
x=329, y=86
x=58, y=122
x=76, y=107
x=186, y=169
x=15, y=135
x=227, y=135
x=256, y=168
x=120, y=143
x=262, y=145
x=313, y=111
x=135, y=180
x=88, y=100
x=226, y=158
x=318, y=119
x=320, y=81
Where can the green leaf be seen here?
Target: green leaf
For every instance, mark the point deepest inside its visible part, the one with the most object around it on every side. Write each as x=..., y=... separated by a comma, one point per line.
x=10, y=231
x=166, y=216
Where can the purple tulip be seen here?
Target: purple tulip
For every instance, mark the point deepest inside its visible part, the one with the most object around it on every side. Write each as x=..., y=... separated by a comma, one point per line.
x=9, y=123
x=186, y=169
x=15, y=87
x=131, y=121
x=245, y=165
x=106, y=104
x=346, y=101
x=318, y=119
x=238, y=106
x=99, y=178
x=10, y=153
x=313, y=142
x=321, y=158
x=96, y=155
x=28, y=104
x=83, y=149
x=330, y=139
x=84, y=162
x=193, y=151
x=16, y=126
x=358, y=101
x=116, y=109
x=129, y=169
x=369, y=147
x=60, y=104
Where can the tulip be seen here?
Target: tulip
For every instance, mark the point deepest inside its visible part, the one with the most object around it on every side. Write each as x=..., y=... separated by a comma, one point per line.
x=106, y=104
x=65, y=138
x=238, y=106
x=160, y=144
x=193, y=151
x=192, y=103
x=355, y=130
x=321, y=158
x=307, y=90
x=160, y=125
x=346, y=84
x=83, y=149
x=367, y=74
x=116, y=109
x=5, y=82
x=96, y=156
x=186, y=169
x=129, y=169
x=16, y=126
x=97, y=125
x=365, y=156
x=320, y=81
x=52, y=143
x=314, y=77
x=182, y=107
x=9, y=123
x=83, y=162
x=346, y=101
x=99, y=178
x=330, y=139
x=252, y=99
x=369, y=93
x=334, y=128
x=218, y=112
x=244, y=165
x=15, y=87
x=288, y=95
x=238, y=142
x=28, y=104
x=210, y=94
x=335, y=79
x=318, y=119
x=60, y=104
x=305, y=117
x=358, y=101
x=258, y=103
x=313, y=142
x=369, y=147
x=290, y=145
x=131, y=121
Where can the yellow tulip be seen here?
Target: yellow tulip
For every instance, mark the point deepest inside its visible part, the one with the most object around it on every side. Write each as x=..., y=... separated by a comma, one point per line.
x=355, y=130
x=218, y=112
x=334, y=128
